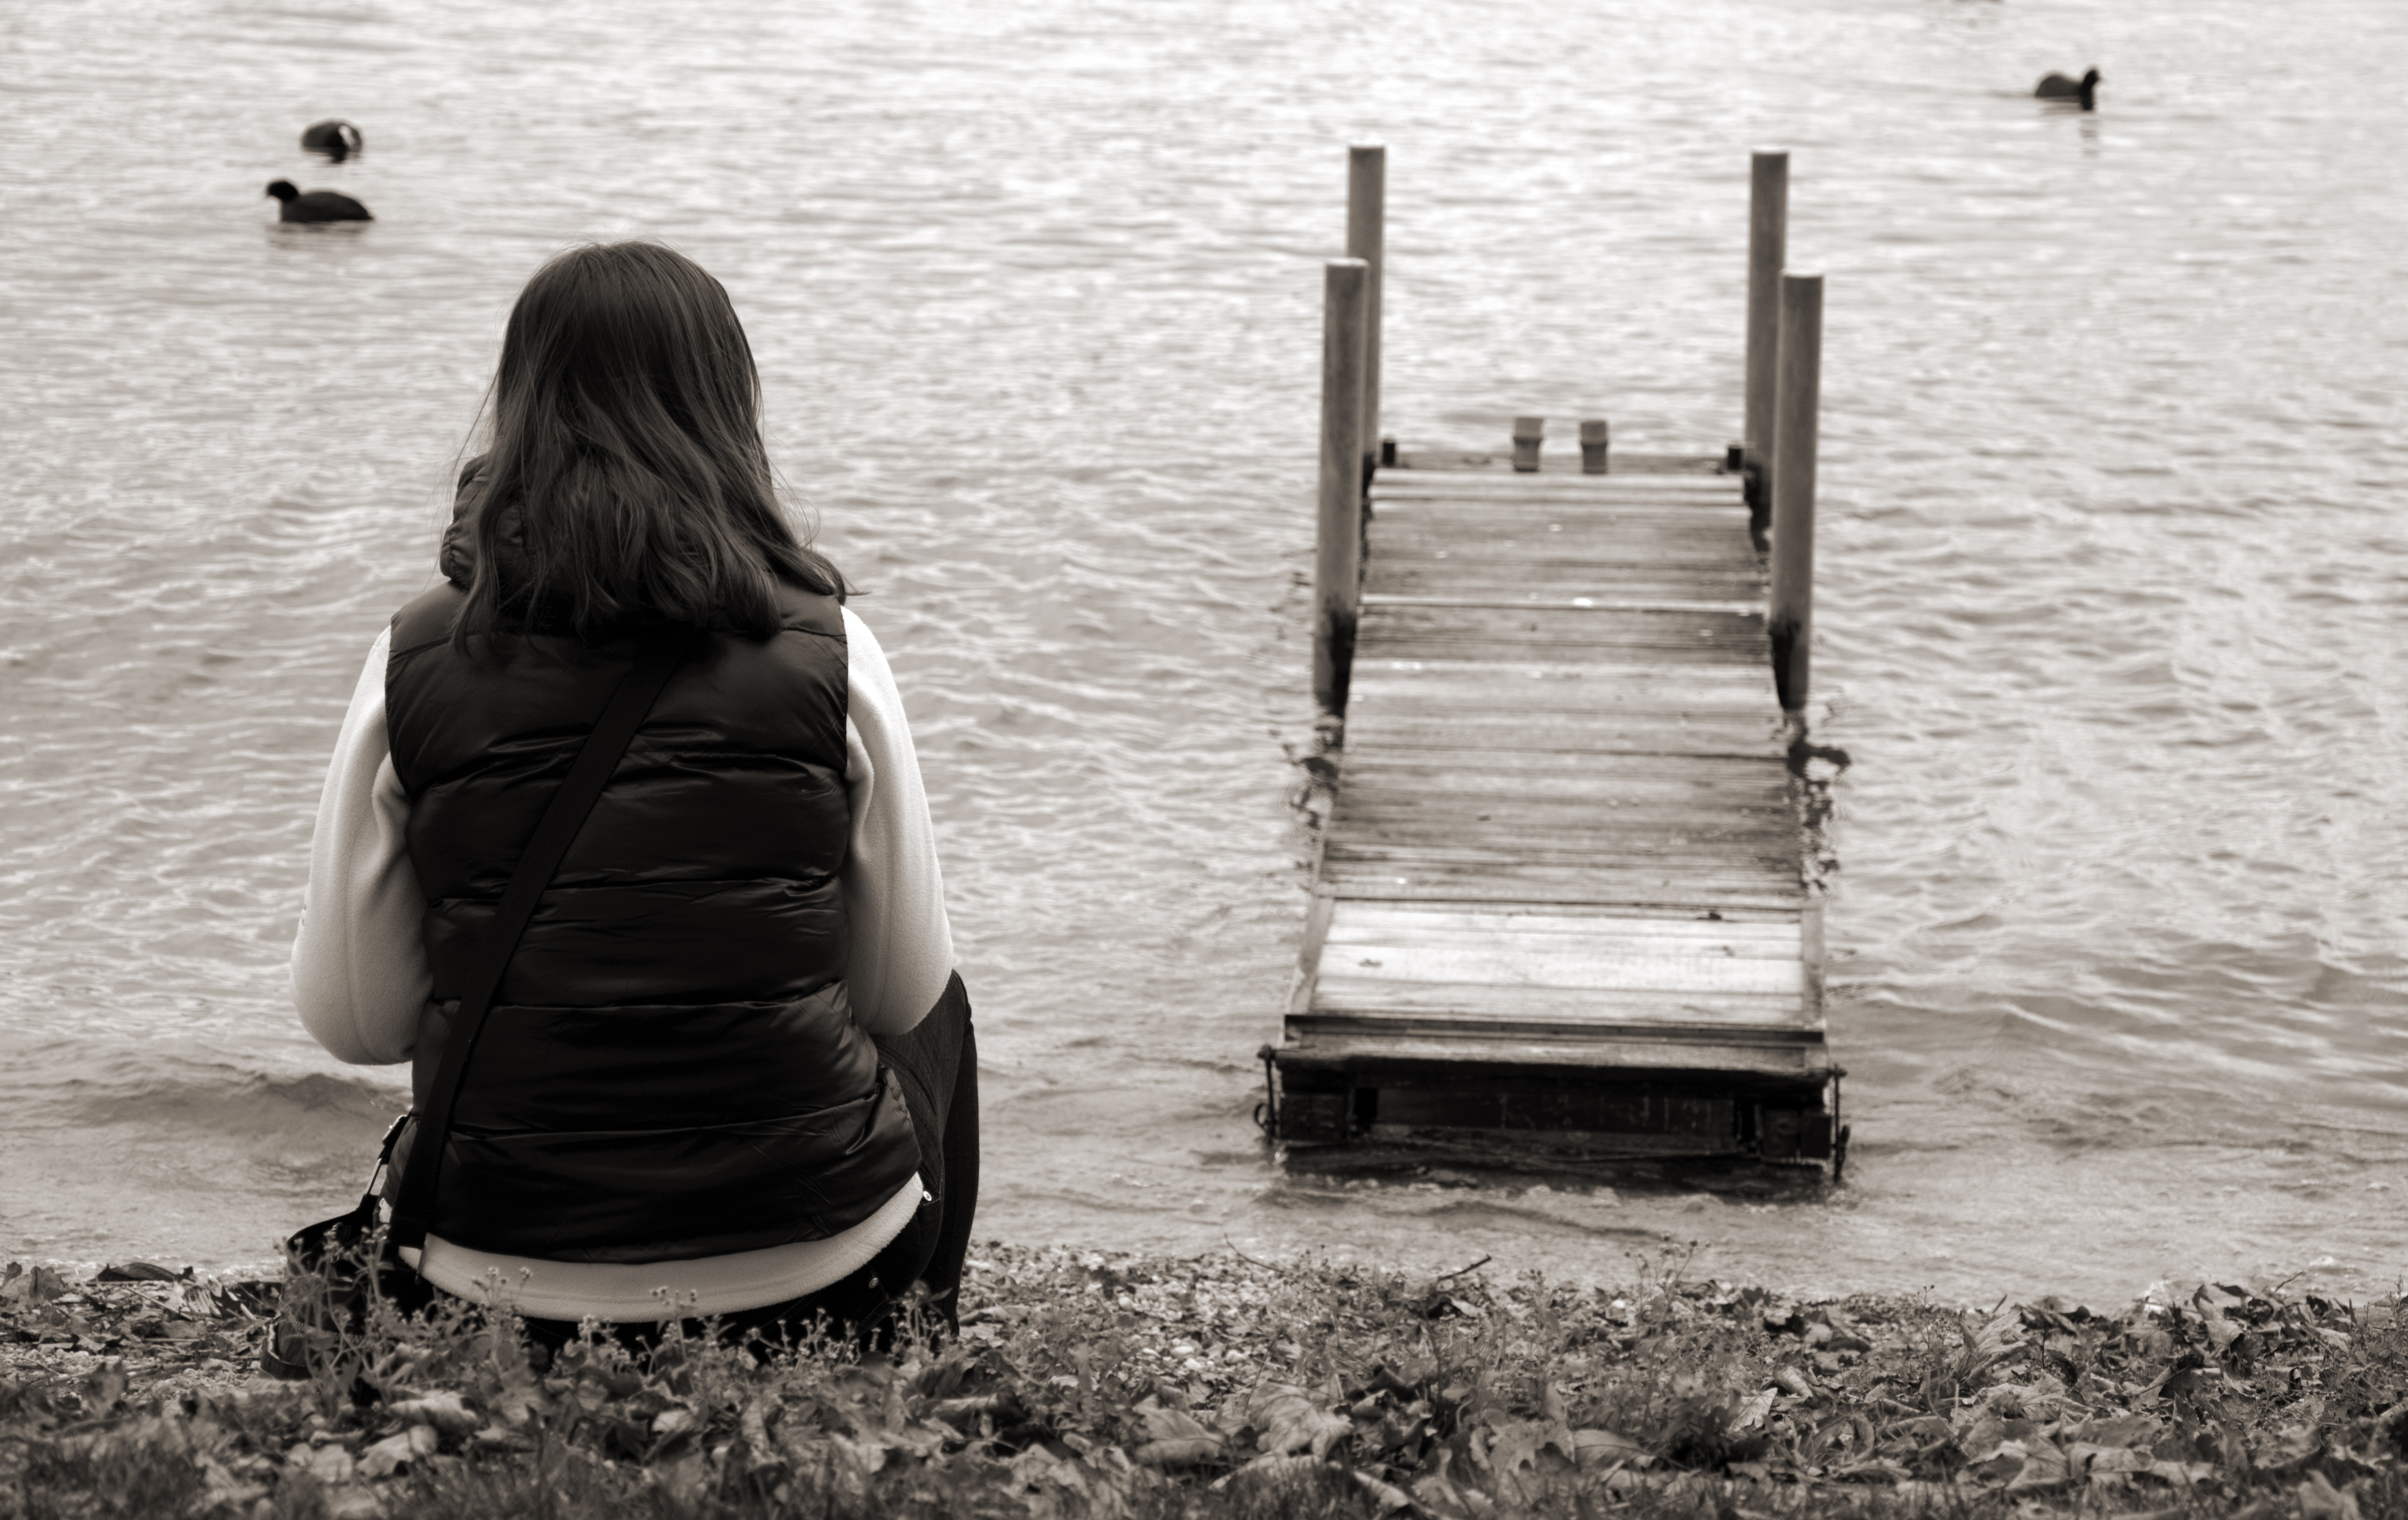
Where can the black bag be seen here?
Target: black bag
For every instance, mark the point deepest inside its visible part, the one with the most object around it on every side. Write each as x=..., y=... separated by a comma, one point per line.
x=337, y=1269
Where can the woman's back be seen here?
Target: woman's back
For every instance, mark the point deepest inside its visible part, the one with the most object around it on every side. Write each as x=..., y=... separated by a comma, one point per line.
x=670, y=1068
x=679, y=1082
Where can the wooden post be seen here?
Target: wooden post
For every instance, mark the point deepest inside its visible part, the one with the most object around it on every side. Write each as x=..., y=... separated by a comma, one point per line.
x=1529, y=435
x=1337, y=557
x=1791, y=619
x=1367, y=237
x=1767, y=250
x=1594, y=438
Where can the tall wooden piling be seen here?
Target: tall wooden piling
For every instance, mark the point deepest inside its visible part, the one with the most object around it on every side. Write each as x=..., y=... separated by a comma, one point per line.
x=1338, y=558
x=1767, y=249
x=1789, y=620
x=1366, y=234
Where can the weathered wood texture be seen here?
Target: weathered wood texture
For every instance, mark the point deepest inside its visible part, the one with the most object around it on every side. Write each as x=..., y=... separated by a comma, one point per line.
x=1798, y=406
x=1367, y=239
x=1485, y=459
x=1767, y=250
x=1563, y=833
x=1338, y=547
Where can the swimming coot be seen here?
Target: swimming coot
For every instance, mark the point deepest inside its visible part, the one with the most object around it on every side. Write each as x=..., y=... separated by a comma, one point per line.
x=335, y=139
x=317, y=206
x=2057, y=87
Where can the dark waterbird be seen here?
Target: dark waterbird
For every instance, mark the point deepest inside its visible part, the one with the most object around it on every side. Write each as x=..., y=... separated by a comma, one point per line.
x=2057, y=87
x=334, y=137
x=317, y=206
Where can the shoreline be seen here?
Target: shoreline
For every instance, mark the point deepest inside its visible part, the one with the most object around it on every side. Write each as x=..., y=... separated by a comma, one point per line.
x=1097, y=1382
x=1951, y=1220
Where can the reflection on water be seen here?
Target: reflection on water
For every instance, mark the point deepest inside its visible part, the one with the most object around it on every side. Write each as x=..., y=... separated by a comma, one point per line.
x=2111, y=570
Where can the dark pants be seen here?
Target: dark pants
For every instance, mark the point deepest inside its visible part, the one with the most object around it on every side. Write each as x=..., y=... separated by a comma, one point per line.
x=938, y=1066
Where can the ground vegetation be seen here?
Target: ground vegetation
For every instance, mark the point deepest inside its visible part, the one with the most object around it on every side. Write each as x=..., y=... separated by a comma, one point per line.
x=1090, y=1384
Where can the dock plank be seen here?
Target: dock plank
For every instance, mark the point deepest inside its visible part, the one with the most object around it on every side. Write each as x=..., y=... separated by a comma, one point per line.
x=1552, y=885
x=1507, y=1046
x=1608, y=766
x=1367, y=922
x=1511, y=962
x=1703, y=489
x=1560, y=633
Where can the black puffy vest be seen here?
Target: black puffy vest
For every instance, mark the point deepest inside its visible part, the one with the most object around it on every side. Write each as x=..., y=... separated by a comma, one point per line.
x=670, y=1068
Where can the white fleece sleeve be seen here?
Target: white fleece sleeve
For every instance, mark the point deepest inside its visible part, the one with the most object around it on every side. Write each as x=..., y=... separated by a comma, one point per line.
x=359, y=967
x=900, y=948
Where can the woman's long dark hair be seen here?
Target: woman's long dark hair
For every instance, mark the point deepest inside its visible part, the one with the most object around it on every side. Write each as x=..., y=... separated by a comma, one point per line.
x=627, y=480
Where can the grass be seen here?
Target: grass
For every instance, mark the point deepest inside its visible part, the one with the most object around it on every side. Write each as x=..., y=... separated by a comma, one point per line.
x=1120, y=1386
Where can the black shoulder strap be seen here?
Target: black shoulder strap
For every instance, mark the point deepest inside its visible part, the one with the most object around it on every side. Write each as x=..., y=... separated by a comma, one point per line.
x=600, y=757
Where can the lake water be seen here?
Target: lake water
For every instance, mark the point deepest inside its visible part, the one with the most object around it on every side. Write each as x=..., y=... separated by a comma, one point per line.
x=2114, y=562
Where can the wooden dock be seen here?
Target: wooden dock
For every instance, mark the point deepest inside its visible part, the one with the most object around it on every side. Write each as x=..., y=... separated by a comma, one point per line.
x=1559, y=900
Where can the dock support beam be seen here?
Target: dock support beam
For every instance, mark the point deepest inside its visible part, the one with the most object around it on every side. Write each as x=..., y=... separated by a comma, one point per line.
x=1366, y=238
x=1790, y=620
x=1337, y=555
x=1767, y=250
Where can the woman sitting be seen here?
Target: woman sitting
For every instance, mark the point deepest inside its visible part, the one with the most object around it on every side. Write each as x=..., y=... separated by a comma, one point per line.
x=728, y=1071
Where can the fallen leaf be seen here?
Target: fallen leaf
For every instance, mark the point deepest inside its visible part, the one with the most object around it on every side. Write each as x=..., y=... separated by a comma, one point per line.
x=1436, y=1492
x=1178, y=1452
x=1596, y=1448
x=2120, y=1430
x=1039, y=1466
x=963, y=1413
x=2001, y=1465
x=395, y=1452
x=353, y=1504
x=225, y=1489
x=2320, y=1500
x=2044, y=1466
x=443, y=1410
x=1879, y=1467
x=105, y=1385
x=1174, y=1438
x=1173, y=1424
x=1270, y=1466
x=1386, y=1496
x=330, y=1465
x=518, y=1401
x=1519, y=1443
x=1752, y=1411
x=1291, y=1420
x=684, y=1478
x=868, y=1456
